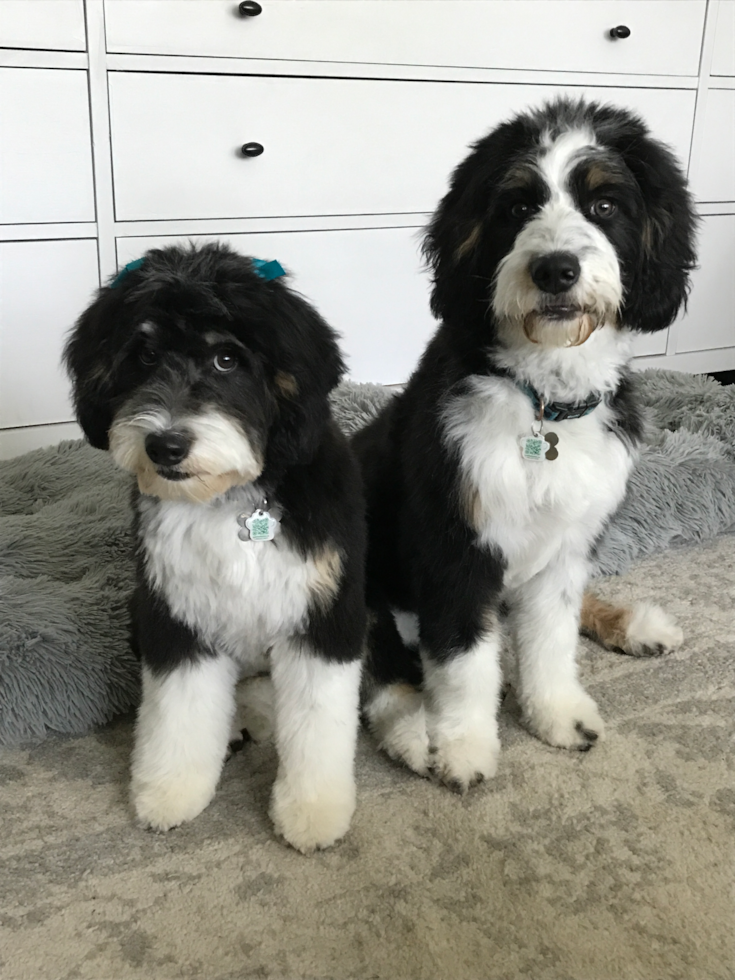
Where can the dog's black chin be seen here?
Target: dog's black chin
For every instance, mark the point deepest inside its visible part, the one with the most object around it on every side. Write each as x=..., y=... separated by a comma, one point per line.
x=560, y=312
x=174, y=475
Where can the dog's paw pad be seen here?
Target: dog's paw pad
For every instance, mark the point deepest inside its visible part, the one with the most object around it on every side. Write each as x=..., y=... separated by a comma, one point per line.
x=461, y=763
x=397, y=719
x=586, y=733
x=237, y=743
x=568, y=722
x=652, y=632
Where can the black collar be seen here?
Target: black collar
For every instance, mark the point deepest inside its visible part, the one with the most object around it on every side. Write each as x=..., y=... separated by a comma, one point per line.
x=559, y=411
x=554, y=411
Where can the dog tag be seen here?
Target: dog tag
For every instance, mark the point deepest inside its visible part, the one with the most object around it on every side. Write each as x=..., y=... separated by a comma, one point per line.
x=540, y=446
x=532, y=447
x=260, y=526
x=553, y=440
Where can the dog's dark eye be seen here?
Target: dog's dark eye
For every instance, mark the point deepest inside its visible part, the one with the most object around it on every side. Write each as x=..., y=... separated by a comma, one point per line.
x=521, y=210
x=603, y=208
x=147, y=355
x=225, y=361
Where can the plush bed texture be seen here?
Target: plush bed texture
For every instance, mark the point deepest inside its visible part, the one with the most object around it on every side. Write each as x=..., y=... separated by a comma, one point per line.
x=66, y=548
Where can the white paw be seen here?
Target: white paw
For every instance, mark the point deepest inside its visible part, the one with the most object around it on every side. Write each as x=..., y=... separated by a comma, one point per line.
x=312, y=822
x=461, y=762
x=651, y=632
x=570, y=720
x=166, y=803
x=397, y=719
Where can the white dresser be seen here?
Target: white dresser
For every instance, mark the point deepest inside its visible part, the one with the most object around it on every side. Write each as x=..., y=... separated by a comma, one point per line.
x=123, y=122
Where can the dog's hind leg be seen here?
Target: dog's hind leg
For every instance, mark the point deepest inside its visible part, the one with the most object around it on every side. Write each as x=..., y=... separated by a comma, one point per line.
x=255, y=714
x=462, y=699
x=431, y=707
x=393, y=706
x=641, y=630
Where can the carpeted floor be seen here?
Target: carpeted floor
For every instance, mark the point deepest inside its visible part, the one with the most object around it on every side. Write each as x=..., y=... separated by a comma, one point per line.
x=614, y=865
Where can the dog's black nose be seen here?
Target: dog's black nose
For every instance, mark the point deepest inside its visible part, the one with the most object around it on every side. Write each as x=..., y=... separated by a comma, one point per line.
x=167, y=448
x=555, y=272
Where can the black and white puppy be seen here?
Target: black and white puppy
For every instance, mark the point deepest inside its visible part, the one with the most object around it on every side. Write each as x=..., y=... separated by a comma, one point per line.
x=489, y=478
x=210, y=383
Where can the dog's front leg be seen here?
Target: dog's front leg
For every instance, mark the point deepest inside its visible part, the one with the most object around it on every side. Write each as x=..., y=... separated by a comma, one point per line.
x=181, y=739
x=544, y=620
x=316, y=733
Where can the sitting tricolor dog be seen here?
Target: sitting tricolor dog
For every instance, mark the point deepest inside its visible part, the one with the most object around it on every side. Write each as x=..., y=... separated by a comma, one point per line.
x=208, y=378
x=489, y=478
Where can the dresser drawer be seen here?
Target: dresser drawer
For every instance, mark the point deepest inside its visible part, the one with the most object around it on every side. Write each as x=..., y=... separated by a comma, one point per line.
x=723, y=54
x=44, y=286
x=55, y=25
x=369, y=284
x=649, y=344
x=331, y=146
x=709, y=322
x=714, y=174
x=543, y=35
x=45, y=146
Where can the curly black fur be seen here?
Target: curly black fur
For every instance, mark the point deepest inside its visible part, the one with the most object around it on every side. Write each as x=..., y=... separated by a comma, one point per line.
x=190, y=292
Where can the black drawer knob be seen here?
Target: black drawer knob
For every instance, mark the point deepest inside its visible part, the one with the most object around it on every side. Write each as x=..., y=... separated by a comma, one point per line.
x=249, y=8
x=252, y=149
x=621, y=31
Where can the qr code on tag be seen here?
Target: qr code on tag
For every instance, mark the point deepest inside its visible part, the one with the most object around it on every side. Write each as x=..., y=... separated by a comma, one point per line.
x=259, y=527
x=532, y=447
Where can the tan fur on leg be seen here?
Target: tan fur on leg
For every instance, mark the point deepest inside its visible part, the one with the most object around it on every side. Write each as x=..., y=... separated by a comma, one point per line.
x=644, y=630
x=603, y=622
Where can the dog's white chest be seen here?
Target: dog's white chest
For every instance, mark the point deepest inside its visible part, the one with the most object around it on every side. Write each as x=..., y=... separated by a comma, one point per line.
x=534, y=510
x=238, y=596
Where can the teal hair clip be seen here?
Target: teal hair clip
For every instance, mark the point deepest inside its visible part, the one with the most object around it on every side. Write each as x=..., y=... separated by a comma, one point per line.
x=261, y=267
x=268, y=270
x=130, y=267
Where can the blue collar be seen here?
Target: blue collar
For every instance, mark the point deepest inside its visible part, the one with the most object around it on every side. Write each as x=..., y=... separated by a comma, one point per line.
x=558, y=411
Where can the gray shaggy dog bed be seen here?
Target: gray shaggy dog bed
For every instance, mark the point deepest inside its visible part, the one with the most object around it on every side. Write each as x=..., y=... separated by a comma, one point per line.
x=66, y=565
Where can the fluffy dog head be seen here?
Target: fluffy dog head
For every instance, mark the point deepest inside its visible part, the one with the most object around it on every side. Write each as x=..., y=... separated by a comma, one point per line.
x=197, y=374
x=560, y=221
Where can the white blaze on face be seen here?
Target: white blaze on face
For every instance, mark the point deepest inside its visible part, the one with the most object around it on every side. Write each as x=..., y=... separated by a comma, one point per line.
x=558, y=226
x=221, y=455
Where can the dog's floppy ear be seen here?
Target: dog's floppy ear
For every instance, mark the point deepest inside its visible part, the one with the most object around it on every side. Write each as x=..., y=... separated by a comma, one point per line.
x=87, y=360
x=306, y=364
x=658, y=287
x=456, y=238
x=453, y=234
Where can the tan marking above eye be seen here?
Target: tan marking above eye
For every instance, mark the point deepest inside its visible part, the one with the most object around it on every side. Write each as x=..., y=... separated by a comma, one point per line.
x=599, y=175
x=518, y=178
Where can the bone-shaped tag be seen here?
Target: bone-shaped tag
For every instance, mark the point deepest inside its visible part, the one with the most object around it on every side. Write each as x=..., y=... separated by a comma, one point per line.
x=553, y=440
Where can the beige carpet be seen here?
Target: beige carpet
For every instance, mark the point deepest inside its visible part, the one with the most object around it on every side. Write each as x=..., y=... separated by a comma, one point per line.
x=615, y=865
